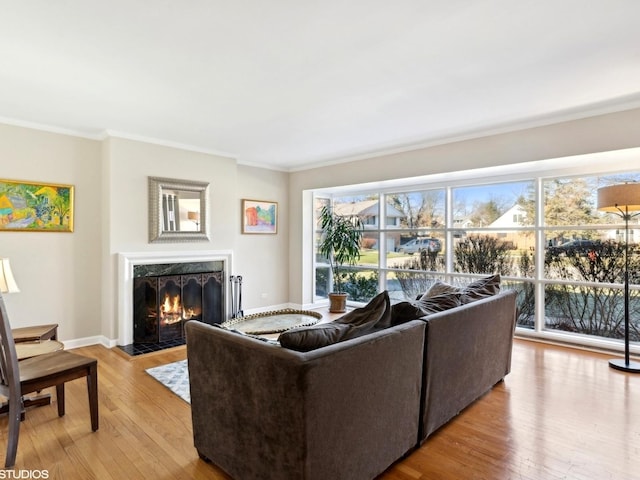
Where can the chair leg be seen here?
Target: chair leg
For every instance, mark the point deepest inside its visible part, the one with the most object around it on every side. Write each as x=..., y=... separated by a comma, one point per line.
x=92, y=387
x=15, y=413
x=60, y=399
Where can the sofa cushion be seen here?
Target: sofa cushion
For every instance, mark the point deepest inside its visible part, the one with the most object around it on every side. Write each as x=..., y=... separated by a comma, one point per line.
x=484, y=287
x=406, y=311
x=375, y=315
x=304, y=339
x=439, y=288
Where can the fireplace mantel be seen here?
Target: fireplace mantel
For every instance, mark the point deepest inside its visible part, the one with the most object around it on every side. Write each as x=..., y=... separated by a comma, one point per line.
x=126, y=262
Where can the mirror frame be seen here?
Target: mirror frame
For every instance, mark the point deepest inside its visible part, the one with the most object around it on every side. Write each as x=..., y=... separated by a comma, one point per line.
x=156, y=233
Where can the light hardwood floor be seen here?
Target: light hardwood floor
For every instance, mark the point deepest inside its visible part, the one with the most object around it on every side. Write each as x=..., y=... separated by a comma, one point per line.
x=561, y=414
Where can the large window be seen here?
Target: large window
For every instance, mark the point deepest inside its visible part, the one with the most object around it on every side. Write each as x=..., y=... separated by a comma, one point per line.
x=542, y=234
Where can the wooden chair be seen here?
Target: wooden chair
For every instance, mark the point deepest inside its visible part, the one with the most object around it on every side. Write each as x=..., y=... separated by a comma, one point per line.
x=35, y=374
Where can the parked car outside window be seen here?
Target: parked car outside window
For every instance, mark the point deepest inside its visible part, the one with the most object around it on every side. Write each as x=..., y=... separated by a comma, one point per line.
x=575, y=247
x=431, y=245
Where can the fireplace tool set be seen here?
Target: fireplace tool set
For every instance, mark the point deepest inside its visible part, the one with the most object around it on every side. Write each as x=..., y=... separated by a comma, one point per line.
x=235, y=282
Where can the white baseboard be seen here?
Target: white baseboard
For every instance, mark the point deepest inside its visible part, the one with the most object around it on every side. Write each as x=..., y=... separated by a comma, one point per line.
x=88, y=341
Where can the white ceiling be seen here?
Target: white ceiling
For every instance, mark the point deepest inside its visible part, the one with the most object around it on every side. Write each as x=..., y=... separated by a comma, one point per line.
x=288, y=84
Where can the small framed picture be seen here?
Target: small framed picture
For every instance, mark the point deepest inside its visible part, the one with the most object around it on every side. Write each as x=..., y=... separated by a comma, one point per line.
x=259, y=216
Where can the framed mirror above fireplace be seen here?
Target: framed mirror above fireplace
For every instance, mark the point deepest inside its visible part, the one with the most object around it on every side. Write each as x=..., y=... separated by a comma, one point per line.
x=178, y=210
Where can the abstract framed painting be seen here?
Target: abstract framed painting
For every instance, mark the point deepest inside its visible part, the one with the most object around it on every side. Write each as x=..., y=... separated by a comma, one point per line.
x=35, y=206
x=259, y=216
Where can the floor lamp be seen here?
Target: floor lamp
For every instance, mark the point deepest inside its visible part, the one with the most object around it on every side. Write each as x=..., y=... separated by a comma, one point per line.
x=622, y=199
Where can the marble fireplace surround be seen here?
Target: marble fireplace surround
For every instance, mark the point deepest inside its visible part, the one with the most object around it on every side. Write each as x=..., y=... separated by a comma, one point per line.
x=126, y=262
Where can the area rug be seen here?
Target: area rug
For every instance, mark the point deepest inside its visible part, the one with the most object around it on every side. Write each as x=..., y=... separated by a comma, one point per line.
x=174, y=376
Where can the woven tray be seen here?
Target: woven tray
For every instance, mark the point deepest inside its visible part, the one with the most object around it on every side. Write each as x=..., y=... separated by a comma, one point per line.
x=275, y=321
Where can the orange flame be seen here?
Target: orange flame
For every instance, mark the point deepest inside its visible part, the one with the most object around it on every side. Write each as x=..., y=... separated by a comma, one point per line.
x=171, y=309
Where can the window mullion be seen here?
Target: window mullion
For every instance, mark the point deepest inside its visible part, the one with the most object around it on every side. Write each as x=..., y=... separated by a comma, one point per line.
x=539, y=257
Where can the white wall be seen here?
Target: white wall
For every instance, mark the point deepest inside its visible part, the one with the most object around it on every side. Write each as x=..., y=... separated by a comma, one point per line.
x=596, y=134
x=58, y=273
x=265, y=256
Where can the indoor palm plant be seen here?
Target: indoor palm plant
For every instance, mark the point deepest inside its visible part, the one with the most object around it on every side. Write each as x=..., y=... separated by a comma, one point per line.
x=340, y=244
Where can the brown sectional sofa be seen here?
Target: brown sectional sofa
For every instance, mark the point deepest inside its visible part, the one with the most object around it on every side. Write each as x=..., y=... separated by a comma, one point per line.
x=348, y=410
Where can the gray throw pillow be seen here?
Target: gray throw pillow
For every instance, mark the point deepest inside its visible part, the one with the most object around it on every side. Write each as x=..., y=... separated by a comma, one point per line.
x=376, y=314
x=303, y=339
x=439, y=288
x=484, y=287
x=481, y=288
x=406, y=311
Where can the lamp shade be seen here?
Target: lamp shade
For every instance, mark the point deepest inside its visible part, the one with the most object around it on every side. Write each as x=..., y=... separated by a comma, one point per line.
x=614, y=198
x=7, y=282
x=193, y=215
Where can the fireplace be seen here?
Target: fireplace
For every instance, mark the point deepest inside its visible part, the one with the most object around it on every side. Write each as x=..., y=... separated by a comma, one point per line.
x=165, y=296
x=172, y=288
x=164, y=302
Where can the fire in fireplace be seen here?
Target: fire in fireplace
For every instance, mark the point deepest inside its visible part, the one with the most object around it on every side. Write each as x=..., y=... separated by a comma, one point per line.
x=165, y=297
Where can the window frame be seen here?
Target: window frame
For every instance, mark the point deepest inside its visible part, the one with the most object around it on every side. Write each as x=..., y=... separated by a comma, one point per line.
x=538, y=172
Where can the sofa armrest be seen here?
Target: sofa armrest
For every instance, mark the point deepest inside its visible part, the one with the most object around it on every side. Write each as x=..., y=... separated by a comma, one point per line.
x=348, y=410
x=468, y=351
